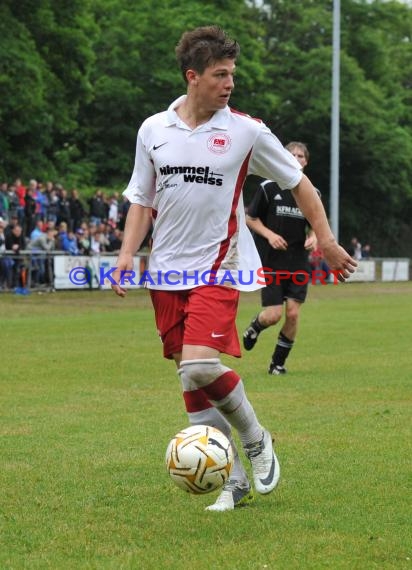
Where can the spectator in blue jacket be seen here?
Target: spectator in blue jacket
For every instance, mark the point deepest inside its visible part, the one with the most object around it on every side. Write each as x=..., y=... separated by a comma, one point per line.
x=67, y=240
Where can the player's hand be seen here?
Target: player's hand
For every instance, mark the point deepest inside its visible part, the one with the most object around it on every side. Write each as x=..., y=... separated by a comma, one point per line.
x=311, y=243
x=277, y=241
x=124, y=263
x=338, y=260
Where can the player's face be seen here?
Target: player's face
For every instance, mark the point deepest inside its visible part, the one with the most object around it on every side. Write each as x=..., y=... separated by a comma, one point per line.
x=299, y=155
x=215, y=85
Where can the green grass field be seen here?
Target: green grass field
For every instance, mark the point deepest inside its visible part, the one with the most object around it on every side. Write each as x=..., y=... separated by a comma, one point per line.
x=88, y=406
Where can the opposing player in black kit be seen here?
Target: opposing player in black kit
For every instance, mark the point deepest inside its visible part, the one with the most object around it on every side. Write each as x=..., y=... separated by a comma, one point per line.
x=283, y=238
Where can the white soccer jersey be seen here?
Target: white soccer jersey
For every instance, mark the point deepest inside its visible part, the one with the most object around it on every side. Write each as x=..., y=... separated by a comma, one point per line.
x=193, y=179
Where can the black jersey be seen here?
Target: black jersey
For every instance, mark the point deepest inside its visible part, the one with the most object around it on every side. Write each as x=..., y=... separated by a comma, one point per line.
x=278, y=211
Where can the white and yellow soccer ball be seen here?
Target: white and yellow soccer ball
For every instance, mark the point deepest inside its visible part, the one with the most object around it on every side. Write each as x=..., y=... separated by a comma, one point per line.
x=199, y=459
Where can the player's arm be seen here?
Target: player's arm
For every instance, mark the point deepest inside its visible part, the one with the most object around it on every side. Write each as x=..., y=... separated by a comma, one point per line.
x=138, y=223
x=311, y=242
x=312, y=208
x=275, y=240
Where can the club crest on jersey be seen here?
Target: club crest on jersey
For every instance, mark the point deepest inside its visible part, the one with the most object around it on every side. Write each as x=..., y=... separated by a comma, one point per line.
x=219, y=143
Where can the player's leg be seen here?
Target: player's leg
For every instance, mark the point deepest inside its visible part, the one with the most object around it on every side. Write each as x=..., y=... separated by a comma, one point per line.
x=271, y=313
x=225, y=390
x=296, y=295
x=237, y=491
x=286, y=338
x=209, y=330
x=170, y=313
x=200, y=411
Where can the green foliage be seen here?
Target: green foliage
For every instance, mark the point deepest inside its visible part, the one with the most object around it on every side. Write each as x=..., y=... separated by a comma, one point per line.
x=78, y=78
x=46, y=55
x=376, y=117
x=25, y=123
x=375, y=113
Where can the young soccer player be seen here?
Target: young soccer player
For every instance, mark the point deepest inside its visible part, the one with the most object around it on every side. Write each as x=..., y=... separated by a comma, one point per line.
x=284, y=240
x=190, y=166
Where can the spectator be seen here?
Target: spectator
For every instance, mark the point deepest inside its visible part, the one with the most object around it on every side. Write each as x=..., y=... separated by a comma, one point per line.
x=113, y=215
x=67, y=240
x=20, y=192
x=4, y=201
x=37, y=230
x=49, y=187
x=53, y=206
x=42, y=202
x=69, y=244
x=15, y=243
x=13, y=202
x=30, y=208
x=85, y=227
x=61, y=234
x=42, y=243
x=320, y=269
x=96, y=243
x=115, y=240
x=355, y=249
x=5, y=265
x=83, y=241
x=63, y=212
x=2, y=235
x=77, y=212
x=98, y=210
x=366, y=251
x=104, y=231
x=50, y=225
x=12, y=223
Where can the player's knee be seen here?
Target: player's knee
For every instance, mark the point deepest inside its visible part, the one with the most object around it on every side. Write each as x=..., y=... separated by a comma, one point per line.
x=204, y=371
x=274, y=319
x=292, y=316
x=271, y=316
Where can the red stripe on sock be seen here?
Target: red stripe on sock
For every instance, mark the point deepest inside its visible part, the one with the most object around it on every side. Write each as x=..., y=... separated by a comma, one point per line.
x=222, y=386
x=196, y=401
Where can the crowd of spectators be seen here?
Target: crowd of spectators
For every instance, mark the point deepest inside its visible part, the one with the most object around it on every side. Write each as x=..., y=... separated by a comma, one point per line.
x=45, y=217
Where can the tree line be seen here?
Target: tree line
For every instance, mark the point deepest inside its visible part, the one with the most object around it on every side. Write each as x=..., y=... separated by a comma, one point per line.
x=77, y=79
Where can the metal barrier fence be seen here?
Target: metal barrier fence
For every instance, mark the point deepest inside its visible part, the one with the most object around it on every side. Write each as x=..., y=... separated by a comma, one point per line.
x=25, y=271
x=49, y=271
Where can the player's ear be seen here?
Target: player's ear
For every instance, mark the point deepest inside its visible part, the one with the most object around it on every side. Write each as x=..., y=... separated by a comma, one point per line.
x=192, y=77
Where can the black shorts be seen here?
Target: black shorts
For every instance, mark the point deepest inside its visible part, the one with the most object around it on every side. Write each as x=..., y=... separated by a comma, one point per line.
x=285, y=286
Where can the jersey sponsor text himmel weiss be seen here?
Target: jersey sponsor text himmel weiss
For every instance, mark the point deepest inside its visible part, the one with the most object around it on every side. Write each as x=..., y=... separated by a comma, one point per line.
x=198, y=174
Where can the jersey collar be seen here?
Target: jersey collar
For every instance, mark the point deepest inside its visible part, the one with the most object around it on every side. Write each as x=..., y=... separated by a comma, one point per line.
x=219, y=120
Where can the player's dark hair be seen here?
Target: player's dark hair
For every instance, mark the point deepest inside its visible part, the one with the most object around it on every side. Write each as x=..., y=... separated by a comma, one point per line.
x=204, y=46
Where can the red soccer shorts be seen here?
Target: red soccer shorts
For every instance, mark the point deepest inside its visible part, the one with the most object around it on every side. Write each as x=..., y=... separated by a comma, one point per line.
x=204, y=316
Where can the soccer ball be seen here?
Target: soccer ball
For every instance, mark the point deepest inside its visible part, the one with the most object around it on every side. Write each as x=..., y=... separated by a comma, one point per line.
x=199, y=459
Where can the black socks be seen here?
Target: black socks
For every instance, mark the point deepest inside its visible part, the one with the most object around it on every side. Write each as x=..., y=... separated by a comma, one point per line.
x=283, y=347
